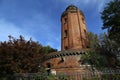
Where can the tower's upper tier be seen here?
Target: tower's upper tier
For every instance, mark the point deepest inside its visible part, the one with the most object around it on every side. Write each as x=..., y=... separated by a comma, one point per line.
x=71, y=8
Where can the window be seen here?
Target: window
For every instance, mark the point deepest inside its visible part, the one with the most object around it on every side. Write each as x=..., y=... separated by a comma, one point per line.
x=83, y=20
x=48, y=68
x=85, y=33
x=66, y=47
x=65, y=20
x=48, y=65
x=66, y=33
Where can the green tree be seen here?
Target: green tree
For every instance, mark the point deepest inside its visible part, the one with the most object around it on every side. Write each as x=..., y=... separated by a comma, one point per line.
x=102, y=51
x=109, y=49
x=94, y=58
x=93, y=38
x=48, y=49
x=111, y=20
x=109, y=45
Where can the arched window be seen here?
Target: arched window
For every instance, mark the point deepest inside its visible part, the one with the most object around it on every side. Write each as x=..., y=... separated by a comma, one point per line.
x=66, y=33
x=65, y=20
x=83, y=20
x=48, y=68
x=85, y=33
x=48, y=65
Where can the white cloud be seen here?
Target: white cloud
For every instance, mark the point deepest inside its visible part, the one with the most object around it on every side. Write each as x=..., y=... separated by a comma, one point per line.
x=99, y=4
x=53, y=45
x=44, y=30
x=8, y=28
x=73, y=1
x=83, y=2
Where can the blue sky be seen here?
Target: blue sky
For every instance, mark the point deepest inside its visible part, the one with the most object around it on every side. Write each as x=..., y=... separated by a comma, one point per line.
x=40, y=19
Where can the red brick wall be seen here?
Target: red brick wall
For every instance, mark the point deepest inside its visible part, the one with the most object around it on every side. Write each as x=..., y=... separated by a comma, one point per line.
x=76, y=28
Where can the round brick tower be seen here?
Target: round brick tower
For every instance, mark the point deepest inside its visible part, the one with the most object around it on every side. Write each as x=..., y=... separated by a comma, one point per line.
x=74, y=32
x=74, y=43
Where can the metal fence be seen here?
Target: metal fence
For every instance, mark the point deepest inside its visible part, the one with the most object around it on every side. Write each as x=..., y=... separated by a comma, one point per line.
x=103, y=74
